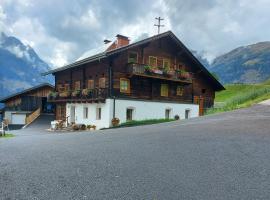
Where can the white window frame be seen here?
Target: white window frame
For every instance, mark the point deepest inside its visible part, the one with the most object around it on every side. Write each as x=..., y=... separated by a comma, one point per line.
x=187, y=116
x=170, y=113
x=85, y=112
x=98, y=113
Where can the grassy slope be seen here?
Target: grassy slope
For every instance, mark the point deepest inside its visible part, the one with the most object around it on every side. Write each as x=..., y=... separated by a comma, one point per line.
x=7, y=135
x=240, y=95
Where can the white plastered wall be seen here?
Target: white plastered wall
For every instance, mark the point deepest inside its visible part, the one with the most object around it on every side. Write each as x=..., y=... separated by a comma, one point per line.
x=141, y=110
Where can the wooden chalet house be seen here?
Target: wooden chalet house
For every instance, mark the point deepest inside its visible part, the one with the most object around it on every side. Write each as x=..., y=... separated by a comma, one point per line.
x=154, y=78
x=25, y=106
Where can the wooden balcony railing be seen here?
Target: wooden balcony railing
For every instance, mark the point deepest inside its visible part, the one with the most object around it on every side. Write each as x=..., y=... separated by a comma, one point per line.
x=96, y=94
x=153, y=72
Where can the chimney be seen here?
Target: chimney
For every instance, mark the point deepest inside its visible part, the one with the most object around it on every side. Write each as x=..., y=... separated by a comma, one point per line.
x=121, y=41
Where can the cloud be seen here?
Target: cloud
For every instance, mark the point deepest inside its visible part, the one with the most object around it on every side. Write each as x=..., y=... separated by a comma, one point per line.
x=61, y=32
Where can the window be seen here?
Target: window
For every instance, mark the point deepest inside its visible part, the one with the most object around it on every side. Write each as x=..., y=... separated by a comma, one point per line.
x=77, y=85
x=179, y=90
x=187, y=113
x=203, y=91
x=167, y=113
x=129, y=114
x=66, y=86
x=60, y=88
x=102, y=82
x=98, y=113
x=166, y=63
x=181, y=66
x=132, y=57
x=124, y=85
x=85, y=112
x=164, y=90
x=152, y=61
x=90, y=84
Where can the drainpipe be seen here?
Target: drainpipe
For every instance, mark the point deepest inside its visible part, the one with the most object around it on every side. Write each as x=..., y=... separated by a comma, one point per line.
x=113, y=107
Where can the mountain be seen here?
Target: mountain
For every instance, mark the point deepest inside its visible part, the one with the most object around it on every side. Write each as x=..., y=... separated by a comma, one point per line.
x=200, y=57
x=247, y=64
x=20, y=66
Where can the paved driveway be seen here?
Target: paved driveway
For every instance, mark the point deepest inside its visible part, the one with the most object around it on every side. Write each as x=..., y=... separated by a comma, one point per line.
x=225, y=156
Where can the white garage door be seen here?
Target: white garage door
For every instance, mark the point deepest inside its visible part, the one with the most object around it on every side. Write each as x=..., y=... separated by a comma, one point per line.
x=17, y=118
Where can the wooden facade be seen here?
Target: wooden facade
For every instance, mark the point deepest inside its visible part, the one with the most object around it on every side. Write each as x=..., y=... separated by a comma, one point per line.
x=157, y=70
x=27, y=100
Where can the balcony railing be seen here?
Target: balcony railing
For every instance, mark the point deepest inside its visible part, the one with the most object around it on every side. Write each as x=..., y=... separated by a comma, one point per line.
x=159, y=73
x=96, y=94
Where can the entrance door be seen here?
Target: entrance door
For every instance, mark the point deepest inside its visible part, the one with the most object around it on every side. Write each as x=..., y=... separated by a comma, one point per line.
x=72, y=114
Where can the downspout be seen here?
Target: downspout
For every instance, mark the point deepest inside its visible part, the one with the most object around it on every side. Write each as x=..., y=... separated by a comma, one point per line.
x=111, y=93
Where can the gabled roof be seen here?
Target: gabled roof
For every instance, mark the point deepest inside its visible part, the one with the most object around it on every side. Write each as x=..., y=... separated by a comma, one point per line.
x=3, y=100
x=106, y=54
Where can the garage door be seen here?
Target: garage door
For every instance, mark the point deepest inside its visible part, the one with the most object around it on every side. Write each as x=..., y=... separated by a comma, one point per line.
x=17, y=118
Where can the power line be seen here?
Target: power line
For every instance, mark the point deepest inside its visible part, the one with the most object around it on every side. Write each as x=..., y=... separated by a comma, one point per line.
x=159, y=25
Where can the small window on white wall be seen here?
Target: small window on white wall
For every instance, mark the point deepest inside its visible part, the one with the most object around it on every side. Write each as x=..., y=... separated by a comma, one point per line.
x=98, y=113
x=167, y=113
x=85, y=112
x=187, y=113
x=129, y=114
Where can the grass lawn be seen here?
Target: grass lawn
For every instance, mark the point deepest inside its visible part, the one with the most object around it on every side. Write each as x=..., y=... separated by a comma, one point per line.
x=240, y=96
x=143, y=122
x=7, y=135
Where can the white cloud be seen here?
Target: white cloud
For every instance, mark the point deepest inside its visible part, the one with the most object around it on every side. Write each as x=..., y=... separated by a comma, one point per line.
x=60, y=32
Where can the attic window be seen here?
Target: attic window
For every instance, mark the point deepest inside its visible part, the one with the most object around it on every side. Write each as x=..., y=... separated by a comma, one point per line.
x=152, y=61
x=133, y=57
x=166, y=63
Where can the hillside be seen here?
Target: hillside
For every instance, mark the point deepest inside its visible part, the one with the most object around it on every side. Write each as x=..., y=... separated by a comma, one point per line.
x=240, y=96
x=248, y=64
x=20, y=66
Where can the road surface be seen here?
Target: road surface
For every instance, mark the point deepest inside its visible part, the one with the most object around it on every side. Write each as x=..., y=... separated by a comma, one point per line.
x=223, y=156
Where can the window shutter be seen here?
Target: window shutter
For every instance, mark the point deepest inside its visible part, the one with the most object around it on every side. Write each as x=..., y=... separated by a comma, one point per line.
x=90, y=84
x=124, y=85
x=179, y=90
x=164, y=90
x=102, y=82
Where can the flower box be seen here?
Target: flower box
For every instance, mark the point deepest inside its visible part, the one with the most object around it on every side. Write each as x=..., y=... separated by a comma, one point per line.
x=76, y=93
x=64, y=94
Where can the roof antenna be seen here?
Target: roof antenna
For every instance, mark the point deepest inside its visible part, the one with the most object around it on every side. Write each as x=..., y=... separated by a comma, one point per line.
x=159, y=25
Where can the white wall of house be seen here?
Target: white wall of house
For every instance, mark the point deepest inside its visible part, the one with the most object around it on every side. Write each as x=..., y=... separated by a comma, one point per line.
x=92, y=119
x=141, y=110
x=153, y=110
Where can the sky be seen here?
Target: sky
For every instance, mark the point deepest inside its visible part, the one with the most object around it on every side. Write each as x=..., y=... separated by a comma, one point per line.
x=61, y=31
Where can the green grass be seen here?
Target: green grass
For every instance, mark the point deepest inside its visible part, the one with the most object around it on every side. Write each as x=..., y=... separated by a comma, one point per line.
x=7, y=135
x=142, y=122
x=240, y=96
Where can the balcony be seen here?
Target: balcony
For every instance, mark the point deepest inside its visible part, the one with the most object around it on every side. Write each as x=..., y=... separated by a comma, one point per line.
x=135, y=69
x=84, y=95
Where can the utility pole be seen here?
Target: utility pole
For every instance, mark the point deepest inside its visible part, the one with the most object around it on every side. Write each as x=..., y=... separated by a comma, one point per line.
x=159, y=25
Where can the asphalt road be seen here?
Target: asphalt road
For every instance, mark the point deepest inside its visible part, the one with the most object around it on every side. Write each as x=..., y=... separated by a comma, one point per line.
x=224, y=156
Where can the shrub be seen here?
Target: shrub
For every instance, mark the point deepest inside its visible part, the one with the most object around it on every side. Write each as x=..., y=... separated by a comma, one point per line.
x=83, y=127
x=176, y=117
x=75, y=127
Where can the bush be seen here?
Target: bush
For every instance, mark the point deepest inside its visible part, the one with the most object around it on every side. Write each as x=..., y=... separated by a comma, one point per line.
x=176, y=117
x=75, y=127
x=144, y=122
x=83, y=127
